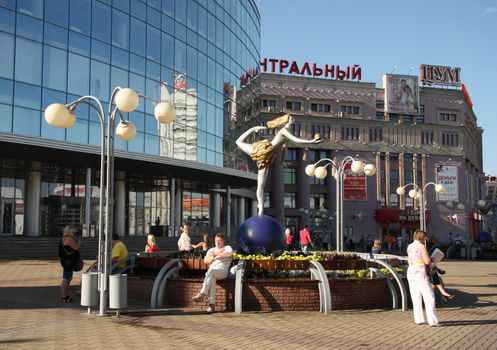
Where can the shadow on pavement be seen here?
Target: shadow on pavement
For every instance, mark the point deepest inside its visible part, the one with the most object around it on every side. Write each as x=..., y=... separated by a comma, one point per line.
x=34, y=298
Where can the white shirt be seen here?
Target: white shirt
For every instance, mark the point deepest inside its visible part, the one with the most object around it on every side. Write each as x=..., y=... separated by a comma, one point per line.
x=184, y=242
x=220, y=263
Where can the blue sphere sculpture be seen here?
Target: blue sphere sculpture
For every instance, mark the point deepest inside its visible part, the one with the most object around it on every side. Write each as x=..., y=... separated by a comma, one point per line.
x=260, y=234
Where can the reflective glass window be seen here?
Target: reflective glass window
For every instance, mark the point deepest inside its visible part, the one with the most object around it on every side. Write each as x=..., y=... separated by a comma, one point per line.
x=79, y=75
x=57, y=11
x=11, y=4
x=192, y=63
x=78, y=132
x=79, y=43
x=55, y=68
x=119, y=77
x=121, y=4
x=168, y=7
x=5, y=118
x=211, y=28
x=120, y=58
x=180, y=31
x=202, y=21
x=94, y=133
x=26, y=121
x=152, y=90
x=52, y=96
x=28, y=61
x=137, y=64
x=79, y=17
x=31, y=7
x=167, y=75
x=153, y=17
x=137, y=143
x=180, y=56
x=55, y=36
x=6, y=91
x=151, y=144
x=151, y=125
x=138, y=37
x=100, y=51
x=191, y=38
x=6, y=55
x=100, y=78
x=202, y=44
x=120, y=29
x=168, y=24
x=155, y=3
x=153, y=70
x=202, y=68
x=101, y=19
x=191, y=16
x=167, y=57
x=180, y=11
x=138, y=9
x=29, y=27
x=138, y=118
x=137, y=83
x=7, y=20
x=153, y=43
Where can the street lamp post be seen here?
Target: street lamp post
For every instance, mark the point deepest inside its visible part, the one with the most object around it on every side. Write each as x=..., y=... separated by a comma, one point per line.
x=320, y=172
x=420, y=194
x=125, y=100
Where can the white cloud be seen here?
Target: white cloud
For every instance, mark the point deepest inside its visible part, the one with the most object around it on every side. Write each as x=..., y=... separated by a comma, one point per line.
x=491, y=10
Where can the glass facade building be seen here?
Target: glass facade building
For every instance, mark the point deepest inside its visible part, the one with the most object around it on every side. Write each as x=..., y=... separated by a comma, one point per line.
x=190, y=52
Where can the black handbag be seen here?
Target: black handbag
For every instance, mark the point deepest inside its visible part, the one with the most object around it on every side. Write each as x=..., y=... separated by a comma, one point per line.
x=70, y=260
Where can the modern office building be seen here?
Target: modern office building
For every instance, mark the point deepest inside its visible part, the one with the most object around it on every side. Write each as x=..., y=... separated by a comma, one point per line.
x=412, y=134
x=191, y=53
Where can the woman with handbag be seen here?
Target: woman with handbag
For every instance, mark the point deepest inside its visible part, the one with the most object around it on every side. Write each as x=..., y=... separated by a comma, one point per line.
x=69, y=259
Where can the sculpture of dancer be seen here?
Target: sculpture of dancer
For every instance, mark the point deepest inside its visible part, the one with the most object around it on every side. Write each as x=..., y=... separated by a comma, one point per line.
x=264, y=152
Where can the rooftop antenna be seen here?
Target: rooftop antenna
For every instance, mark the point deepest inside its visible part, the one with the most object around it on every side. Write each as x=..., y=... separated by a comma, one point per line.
x=394, y=69
x=410, y=70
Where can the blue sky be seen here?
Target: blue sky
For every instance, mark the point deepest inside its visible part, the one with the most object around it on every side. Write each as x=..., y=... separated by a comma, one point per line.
x=381, y=34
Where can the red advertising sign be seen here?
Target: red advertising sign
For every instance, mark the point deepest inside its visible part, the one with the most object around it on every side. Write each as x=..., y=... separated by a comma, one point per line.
x=354, y=185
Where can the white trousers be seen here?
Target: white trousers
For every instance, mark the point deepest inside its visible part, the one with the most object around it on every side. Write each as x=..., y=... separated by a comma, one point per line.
x=422, y=291
x=209, y=285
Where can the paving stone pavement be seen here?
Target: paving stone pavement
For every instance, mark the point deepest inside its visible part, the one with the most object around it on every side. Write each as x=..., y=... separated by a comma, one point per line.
x=31, y=317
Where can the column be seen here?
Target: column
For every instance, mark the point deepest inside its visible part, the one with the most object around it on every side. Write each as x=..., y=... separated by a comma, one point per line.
x=378, y=178
x=178, y=207
x=215, y=208
x=120, y=206
x=401, y=180
x=415, y=176
x=228, y=211
x=33, y=194
x=241, y=211
x=387, y=179
x=254, y=207
x=88, y=232
x=172, y=207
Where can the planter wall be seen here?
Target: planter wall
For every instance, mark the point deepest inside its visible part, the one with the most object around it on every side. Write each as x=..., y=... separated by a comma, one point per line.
x=264, y=294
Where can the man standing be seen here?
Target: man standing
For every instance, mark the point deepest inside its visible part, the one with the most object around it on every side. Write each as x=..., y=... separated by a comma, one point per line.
x=288, y=238
x=219, y=258
x=305, y=239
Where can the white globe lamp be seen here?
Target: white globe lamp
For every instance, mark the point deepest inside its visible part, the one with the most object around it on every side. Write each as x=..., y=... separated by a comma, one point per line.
x=413, y=193
x=369, y=169
x=357, y=167
x=125, y=130
x=439, y=188
x=164, y=112
x=401, y=191
x=320, y=172
x=127, y=100
x=310, y=169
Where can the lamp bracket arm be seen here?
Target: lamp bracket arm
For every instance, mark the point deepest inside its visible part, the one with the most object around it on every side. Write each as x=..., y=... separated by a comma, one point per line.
x=151, y=100
x=100, y=110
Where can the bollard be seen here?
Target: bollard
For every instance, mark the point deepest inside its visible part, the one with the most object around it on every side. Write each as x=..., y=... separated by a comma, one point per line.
x=118, y=292
x=89, y=289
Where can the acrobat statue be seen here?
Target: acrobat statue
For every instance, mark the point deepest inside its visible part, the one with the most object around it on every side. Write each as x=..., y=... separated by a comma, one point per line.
x=265, y=151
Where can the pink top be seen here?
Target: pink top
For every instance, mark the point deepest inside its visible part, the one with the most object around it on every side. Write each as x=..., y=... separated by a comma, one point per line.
x=150, y=249
x=305, y=237
x=417, y=268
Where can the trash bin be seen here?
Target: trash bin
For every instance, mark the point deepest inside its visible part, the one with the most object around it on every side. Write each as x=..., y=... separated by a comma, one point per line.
x=118, y=292
x=89, y=289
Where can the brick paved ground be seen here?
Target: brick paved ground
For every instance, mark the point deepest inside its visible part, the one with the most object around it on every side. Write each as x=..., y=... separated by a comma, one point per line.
x=32, y=318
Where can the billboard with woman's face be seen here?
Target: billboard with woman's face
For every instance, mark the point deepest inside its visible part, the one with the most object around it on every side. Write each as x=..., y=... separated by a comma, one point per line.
x=401, y=94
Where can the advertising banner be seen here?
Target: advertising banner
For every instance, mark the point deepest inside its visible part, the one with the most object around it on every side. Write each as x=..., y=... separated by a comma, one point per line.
x=447, y=176
x=401, y=94
x=354, y=185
